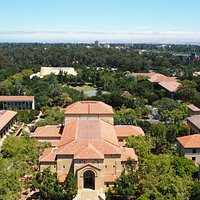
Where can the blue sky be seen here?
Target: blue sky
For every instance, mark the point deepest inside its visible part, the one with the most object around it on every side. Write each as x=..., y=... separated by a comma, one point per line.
x=104, y=20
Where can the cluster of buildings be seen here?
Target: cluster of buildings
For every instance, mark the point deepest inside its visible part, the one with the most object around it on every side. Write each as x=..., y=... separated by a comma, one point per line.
x=8, y=117
x=189, y=146
x=186, y=57
x=170, y=84
x=44, y=71
x=89, y=145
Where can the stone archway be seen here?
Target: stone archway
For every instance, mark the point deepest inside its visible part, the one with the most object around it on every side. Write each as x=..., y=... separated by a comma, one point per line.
x=89, y=179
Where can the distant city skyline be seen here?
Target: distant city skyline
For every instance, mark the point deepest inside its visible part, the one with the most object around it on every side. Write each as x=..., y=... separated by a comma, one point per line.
x=131, y=21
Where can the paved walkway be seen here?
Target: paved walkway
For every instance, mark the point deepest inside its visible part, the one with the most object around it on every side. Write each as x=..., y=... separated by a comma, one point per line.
x=88, y=194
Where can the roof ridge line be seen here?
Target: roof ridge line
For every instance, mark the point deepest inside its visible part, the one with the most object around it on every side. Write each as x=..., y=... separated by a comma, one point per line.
x=111, y=143
x=77, y=124
x=48, y=153
x=94, y=148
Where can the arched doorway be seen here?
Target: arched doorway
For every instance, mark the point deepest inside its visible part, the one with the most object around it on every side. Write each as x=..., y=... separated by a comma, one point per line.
x=89, y=179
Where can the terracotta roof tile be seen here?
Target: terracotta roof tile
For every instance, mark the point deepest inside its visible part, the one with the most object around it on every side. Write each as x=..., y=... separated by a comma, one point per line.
x=128, y=130
x=170, y=86
x=110, y=178
x=195, y=119
x=62, y=177
x=128, y=153
x=190, y=141
x=16, y=98
x=47, y=131
x=49, y=155
x=89, y=107
x=5, y=117
x=75, y=147
x=90, y=152
x=193, y=107
x=88, y=130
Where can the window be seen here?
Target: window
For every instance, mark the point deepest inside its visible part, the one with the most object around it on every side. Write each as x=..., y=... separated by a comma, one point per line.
x=194, y=150
x=105, y=166
x=107, y=184
x=193, y=158
x=121, y=140
x=63, y=166
x=114, y=166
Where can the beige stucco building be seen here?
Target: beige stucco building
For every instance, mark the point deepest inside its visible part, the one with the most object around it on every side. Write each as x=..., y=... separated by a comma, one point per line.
x=189, y=146
x=90, y=146
x=194, y=123
x=44, y=71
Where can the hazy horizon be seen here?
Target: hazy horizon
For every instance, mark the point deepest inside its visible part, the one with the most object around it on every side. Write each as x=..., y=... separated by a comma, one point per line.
x=108, y=21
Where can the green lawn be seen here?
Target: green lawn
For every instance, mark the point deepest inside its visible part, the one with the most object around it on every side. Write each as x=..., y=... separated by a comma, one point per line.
x=84, y=88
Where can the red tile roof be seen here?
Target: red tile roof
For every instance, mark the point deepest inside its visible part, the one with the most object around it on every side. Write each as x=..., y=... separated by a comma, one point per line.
x=49, y=155
x=5, y=117
x=190, y=141
x=195, y=120
x=90, y=139
x=128, y=130
x=110, y=178
x=128, y=153
x=193, y=107
x=170, y=86
x=47, y=132
x=16, y=98
x=89, y=130
x=89, y=107
x=90, y=152
x=62, y=177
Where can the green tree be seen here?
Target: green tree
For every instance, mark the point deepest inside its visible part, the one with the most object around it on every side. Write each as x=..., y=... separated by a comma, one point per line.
x=50, y=188
x=195, y=191
x=9, y=180
x=171, y=133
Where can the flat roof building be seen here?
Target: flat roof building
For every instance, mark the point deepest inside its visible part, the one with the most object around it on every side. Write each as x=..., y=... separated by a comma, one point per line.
x=44, y=71
x=17, y=102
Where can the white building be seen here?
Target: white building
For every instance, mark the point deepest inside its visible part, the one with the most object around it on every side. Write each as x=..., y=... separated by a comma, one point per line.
x=55, y=70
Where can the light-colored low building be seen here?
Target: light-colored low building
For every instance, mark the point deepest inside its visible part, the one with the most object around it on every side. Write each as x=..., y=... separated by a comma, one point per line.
x=44, y=71
x=7, y=120
x=189, y=146
x=17, y=102
x=194, y=123
x=90, y=146
x=196, y=74
x=193, y=110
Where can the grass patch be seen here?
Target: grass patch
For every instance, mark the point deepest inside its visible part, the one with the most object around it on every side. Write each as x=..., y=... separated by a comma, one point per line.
x=84, y=88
